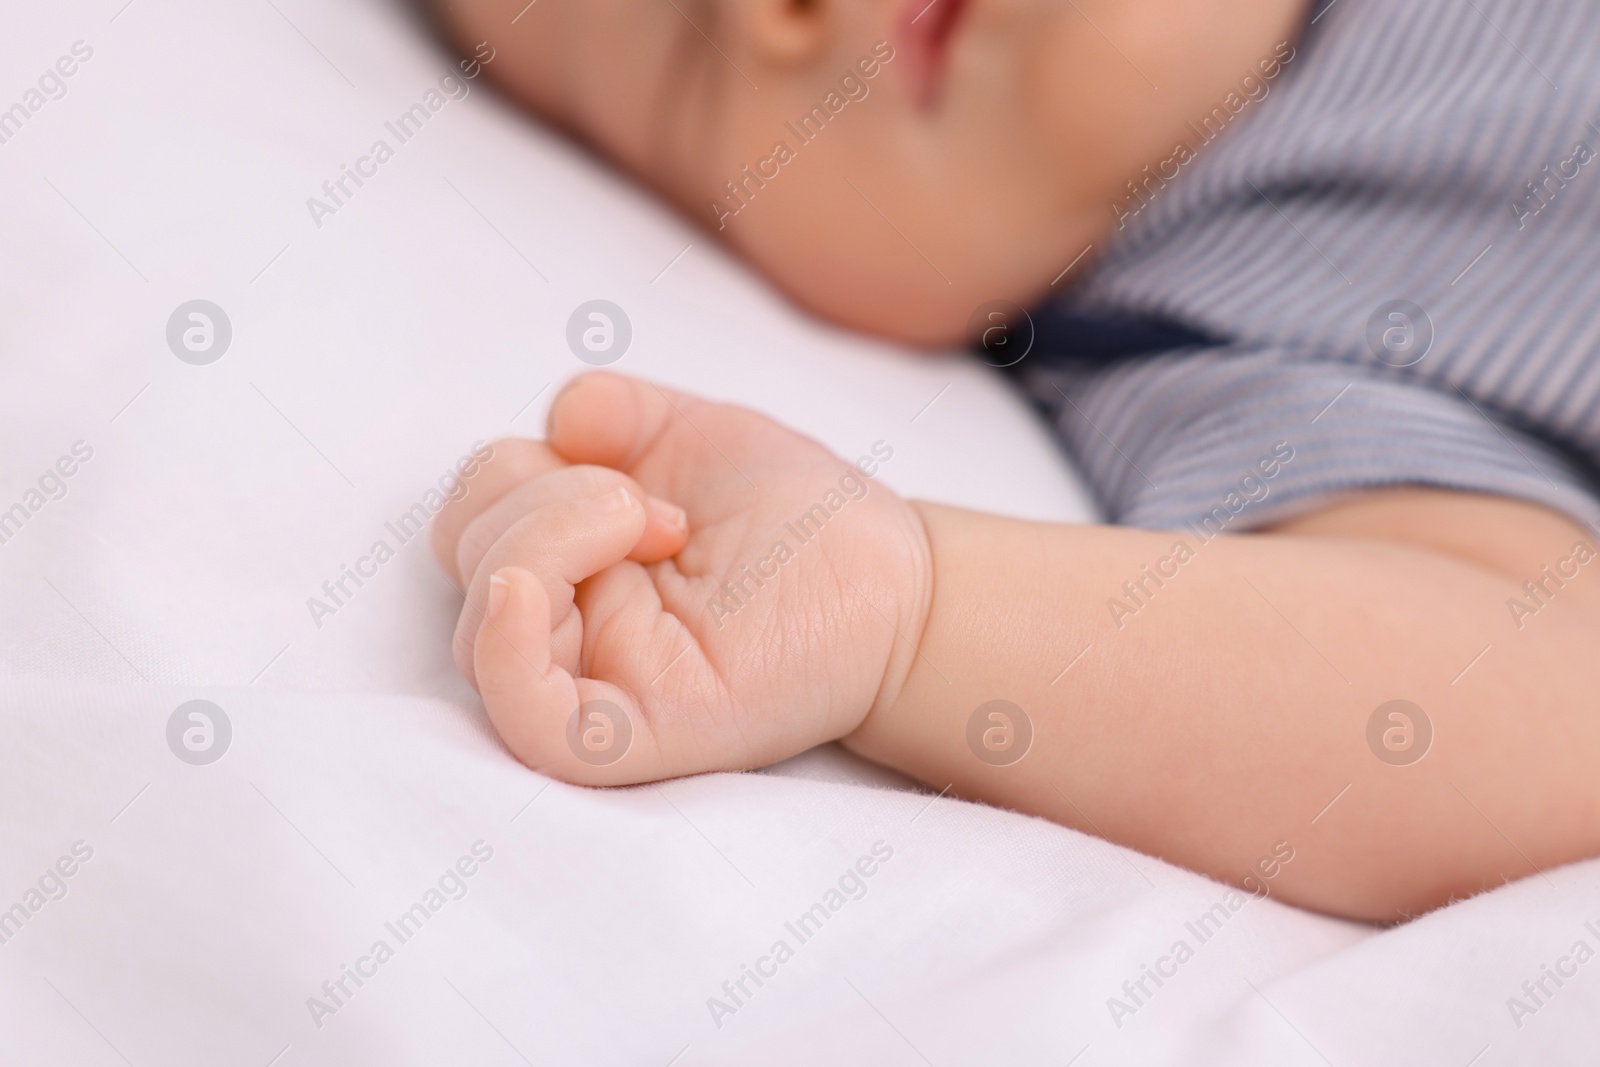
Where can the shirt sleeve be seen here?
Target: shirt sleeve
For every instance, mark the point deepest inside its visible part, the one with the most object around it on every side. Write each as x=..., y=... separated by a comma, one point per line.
x=1233, y=438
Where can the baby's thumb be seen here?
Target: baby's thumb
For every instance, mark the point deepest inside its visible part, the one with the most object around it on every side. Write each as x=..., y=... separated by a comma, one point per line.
x=610, y=419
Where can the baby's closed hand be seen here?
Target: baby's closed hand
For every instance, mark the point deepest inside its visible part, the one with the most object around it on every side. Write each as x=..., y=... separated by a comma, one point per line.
x=613, y=642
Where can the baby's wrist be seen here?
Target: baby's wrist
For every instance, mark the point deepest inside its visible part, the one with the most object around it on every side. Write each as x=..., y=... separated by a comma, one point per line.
x=913, y=607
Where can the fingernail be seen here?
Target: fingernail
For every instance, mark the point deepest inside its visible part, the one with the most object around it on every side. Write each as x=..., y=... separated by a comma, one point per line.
x=668, y=514
x=619, y=499
x=498, y=588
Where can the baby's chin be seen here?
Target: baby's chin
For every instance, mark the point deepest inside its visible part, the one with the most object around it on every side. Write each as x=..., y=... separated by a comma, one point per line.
x=923, y=294
x=922, y=315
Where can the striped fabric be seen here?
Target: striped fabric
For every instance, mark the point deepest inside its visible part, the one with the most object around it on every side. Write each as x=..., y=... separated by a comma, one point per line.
x=1426, y=167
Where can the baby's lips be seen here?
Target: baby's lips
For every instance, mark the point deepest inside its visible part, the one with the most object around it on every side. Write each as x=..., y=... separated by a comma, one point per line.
x=923, y=30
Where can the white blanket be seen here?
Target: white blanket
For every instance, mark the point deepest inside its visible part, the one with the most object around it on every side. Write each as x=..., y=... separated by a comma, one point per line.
x=364, y=875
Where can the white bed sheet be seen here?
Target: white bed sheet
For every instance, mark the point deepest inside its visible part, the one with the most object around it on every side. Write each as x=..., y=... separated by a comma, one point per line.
x=367, y=355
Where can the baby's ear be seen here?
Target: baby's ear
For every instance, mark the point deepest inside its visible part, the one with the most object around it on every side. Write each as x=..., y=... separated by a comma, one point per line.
x=609, y=419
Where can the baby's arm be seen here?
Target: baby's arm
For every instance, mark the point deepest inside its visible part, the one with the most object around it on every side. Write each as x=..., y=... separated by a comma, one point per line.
x=1230, y=713
x=1221, y=725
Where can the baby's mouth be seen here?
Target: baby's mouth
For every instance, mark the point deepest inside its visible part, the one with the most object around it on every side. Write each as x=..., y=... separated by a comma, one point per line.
x=926, y=28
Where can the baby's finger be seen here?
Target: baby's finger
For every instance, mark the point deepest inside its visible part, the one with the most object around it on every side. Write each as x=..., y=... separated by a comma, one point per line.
x=691, y=451
x=511, y=461
x=665, y=531
x=579, y=730
x=608, y=419
x=562, y=544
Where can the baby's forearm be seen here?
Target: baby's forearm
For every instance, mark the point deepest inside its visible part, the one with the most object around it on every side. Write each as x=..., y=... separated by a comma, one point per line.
x=1209, y=702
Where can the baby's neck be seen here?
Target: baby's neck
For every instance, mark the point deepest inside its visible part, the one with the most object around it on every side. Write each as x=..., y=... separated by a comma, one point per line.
x=1181, y=73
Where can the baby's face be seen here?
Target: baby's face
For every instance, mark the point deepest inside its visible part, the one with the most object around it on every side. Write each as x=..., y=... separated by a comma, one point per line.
x=892, y=164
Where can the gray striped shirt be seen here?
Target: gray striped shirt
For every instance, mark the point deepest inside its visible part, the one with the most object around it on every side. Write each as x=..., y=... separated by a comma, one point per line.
x=1399, y=250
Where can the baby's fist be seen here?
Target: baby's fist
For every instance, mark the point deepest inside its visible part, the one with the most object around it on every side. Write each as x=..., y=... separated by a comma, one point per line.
x=613, y=642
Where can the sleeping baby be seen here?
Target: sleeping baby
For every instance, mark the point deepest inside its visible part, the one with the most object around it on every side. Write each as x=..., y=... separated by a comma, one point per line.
x=1311, y=299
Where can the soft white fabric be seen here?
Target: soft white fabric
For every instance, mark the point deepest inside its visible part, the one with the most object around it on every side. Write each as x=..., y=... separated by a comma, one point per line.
x=368, y=354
